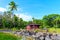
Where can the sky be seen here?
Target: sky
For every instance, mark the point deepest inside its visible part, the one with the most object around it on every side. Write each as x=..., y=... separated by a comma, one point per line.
x=27, y=9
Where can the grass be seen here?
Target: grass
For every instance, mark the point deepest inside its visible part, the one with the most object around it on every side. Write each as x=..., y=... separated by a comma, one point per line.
x=54, y=29
x=7, y=36
x=51, y=30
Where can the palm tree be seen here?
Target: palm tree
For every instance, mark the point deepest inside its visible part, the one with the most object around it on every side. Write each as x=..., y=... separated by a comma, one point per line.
x=13, y=6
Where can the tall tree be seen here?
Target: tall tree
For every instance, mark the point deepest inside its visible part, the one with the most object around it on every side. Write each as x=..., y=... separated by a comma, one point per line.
x=49, y=19
x=0, y=21
x=13, y=6
x=56, y=22
x=15, y=21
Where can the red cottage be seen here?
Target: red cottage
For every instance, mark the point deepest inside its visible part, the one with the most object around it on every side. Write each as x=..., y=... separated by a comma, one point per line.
x=32, y=26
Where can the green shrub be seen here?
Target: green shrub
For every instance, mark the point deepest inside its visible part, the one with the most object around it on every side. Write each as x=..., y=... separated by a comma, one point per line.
x=14, y=29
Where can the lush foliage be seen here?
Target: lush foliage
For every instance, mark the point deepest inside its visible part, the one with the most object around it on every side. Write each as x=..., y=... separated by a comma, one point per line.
x=9, y=20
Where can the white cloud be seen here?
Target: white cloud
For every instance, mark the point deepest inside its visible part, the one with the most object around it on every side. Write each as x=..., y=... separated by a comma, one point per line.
x=23, y=14
x=2, y=9
x=24, y=17
x=19, y=9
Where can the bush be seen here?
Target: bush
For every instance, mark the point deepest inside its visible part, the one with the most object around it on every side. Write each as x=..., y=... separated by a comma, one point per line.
x=14, y=29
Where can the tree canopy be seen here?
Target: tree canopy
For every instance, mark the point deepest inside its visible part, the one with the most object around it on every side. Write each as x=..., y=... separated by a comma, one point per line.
x=7, y=20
